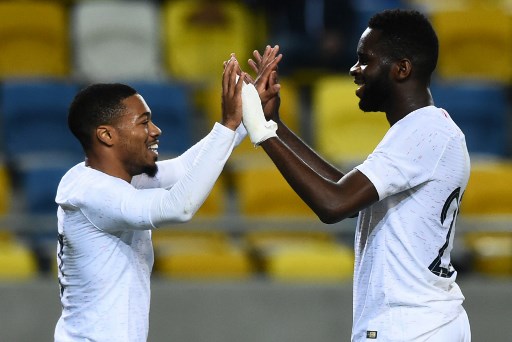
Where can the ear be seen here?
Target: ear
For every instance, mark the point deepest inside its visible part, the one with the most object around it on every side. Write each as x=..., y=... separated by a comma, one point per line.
x=402, y=69
x=105, y=134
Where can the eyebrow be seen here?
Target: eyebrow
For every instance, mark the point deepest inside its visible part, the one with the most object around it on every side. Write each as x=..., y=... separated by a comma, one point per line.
x=144, y=115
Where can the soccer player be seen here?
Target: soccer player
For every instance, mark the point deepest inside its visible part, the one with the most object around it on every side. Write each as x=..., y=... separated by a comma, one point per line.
x=407, y=193
x=109, y=204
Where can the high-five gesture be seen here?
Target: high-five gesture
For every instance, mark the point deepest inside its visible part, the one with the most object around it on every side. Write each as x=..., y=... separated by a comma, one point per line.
x=266, y=82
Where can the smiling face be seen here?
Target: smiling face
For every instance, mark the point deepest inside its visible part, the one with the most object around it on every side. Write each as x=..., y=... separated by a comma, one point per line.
x=137, y=145
x=372, y=74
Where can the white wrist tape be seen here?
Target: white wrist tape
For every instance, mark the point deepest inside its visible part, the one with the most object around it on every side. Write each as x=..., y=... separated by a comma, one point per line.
x=257, y=126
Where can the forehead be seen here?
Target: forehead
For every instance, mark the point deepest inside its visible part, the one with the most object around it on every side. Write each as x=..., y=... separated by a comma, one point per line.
x=135, y=106
x=368, y=41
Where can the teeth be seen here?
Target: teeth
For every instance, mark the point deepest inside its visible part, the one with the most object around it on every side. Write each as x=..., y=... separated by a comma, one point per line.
x=153, y=147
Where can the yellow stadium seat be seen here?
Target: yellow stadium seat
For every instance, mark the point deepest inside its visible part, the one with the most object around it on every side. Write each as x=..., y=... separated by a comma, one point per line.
x=294, y=256
x=199, y=255
x=474, y=42
x=34, y=39
x=198, y=36
x=489, y=189
x=17, y=261
x=261, y=191
x=342, y=132
x=492, y=252
x=216, y=203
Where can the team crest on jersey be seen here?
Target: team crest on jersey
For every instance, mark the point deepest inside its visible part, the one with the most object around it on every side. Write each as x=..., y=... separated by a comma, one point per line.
x=371, y=335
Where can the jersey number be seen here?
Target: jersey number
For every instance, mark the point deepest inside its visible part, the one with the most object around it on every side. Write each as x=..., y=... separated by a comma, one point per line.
x=59, y=256
x=451, y=206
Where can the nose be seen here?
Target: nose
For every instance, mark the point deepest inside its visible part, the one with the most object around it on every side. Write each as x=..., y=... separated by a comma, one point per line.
x=154, y=130
x=354, y=69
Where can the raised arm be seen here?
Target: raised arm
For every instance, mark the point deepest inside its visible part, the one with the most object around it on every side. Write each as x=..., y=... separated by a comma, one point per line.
x=331, y=200
x=266, y=82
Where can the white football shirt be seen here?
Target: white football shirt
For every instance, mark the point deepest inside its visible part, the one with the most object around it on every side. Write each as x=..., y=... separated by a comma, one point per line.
x=105, y=254
x=404, y=283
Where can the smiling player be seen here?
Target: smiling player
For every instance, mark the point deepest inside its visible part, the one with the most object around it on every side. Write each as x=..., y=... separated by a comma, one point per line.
x=406, y=194
x=109, y=204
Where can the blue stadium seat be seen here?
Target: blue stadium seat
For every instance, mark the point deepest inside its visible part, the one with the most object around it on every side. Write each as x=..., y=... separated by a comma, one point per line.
x=34, y=115
x=480, y=110
x=37, y=142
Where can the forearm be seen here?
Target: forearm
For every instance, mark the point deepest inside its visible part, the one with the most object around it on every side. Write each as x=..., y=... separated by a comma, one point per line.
x=310, y=157
x=188, y=194
x=317, y=191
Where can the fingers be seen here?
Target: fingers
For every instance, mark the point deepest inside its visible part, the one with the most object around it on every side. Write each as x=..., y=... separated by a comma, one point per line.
x=226, y=74
x=267, y=73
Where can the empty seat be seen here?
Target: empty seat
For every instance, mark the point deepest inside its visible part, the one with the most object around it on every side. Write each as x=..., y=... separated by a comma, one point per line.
x=38, y=111
x=489, y=190
x=262, y=192
x=342, y=132
x=480, y=109
x=300, y=256
x=475, y=42
x=17, y=261
x=196, y=254
x=199, y=36
x=116, y=40
x=34, y=39
x=41, y=148
x=492, y=252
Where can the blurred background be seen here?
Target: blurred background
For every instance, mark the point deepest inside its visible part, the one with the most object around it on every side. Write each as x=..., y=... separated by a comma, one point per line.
x=254, y=264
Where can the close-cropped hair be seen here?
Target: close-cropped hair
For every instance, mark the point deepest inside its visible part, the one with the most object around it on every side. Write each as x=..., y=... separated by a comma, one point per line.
x=95, y=105
x=408, y=34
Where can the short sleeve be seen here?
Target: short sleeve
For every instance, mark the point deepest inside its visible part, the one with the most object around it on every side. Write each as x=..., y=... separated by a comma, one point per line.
x=403, y=160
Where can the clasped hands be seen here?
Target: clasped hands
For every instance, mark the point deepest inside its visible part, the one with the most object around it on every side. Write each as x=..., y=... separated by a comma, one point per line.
x=264, y=89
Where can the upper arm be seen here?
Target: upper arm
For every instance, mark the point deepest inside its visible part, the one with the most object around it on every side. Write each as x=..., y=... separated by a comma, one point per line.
x=122, y=208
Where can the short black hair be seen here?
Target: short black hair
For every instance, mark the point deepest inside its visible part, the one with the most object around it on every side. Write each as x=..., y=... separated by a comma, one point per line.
x=408, y=34
x=97, y=104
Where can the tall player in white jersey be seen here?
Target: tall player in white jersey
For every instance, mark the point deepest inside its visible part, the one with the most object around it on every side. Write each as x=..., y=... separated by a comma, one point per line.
x=407, y=193
x=109, y=204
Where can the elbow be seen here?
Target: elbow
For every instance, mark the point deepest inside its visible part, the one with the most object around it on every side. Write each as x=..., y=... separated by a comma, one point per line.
x=329, y=219
x=186, y=214
x=332, y=214
x=329, y=215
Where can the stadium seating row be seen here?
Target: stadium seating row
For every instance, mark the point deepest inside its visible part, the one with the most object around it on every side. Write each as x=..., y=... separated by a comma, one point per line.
x=119, y=40
x=39, y=148
x=163, y=49
x=207, y=254
x=189, y=40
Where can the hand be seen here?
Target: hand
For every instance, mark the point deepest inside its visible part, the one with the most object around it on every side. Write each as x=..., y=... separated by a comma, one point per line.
x=232, y=94
x=254, y=120
x=266, y=80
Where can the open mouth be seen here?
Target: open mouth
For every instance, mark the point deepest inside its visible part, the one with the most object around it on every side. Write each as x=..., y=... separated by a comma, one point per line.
x=360, y=83
x=359, y=89
x=153, y=148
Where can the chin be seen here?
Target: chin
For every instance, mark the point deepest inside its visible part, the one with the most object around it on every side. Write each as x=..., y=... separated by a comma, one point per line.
x=151, y=170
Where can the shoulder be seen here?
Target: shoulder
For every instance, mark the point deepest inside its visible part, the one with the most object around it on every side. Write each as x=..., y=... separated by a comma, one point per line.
x=81, y=184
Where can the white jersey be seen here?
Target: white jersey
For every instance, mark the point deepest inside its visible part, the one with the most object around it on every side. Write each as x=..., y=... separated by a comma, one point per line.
x=404, y=283
x=105, y=254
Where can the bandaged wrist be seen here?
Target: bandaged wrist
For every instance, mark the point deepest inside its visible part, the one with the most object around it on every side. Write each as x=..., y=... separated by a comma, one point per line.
x=257, y=126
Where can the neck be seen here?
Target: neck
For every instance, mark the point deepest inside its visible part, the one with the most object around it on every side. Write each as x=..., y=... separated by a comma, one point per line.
x=107, y=166
x=407, y=102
